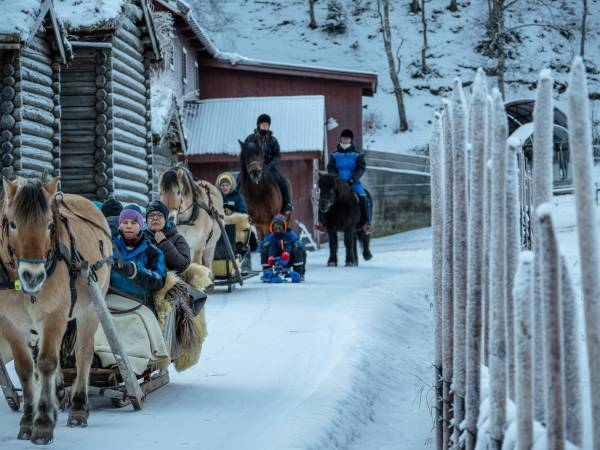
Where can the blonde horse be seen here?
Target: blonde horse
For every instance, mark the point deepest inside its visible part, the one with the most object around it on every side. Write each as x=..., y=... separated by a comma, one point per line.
x=188, y=201
x=44, y=237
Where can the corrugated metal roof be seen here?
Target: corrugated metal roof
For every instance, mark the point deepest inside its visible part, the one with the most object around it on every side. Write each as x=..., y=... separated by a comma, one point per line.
x=214, y=126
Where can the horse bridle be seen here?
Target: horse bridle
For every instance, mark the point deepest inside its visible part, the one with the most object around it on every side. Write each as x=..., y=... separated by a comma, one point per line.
x=58, y=251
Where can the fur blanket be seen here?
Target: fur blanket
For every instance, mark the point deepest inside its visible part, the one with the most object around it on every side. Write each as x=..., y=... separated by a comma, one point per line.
x=190, y=330
x=242, y=226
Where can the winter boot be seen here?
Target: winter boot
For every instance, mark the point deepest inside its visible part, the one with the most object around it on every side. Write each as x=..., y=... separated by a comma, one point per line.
x=286, y=201
x=364, y=214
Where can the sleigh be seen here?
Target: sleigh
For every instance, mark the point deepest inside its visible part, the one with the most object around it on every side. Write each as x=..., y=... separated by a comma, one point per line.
x=232, y=268
x=131, y=353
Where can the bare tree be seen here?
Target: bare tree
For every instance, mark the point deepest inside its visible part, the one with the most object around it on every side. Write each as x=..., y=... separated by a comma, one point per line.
x=383, y=8
x=414, y=6
x=583, y=28
x=424, y=68
x=496, y=32
x=311, y=10
x=453, y=6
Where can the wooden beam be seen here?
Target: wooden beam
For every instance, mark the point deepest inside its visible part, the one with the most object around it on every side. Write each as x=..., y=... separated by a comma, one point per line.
x=9, y=46
x=92, y=44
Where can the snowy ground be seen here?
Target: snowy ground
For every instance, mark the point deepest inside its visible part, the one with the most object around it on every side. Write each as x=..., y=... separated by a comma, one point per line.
x=342, y=361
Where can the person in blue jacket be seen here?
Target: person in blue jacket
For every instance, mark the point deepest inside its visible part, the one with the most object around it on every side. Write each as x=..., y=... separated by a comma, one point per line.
x=139, y=268
x=348, y=163
x=281, y=240
x=233, y=200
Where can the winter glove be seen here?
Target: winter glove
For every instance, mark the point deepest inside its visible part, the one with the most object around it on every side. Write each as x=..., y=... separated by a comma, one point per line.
x=125, y=268
x=271, y=261
x=285, y=256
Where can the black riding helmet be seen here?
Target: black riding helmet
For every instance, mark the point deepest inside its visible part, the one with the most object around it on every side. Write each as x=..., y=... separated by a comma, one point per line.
x=263, y=118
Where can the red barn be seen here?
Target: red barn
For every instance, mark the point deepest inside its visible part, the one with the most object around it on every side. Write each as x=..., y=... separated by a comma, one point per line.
x=298, y=122
x=343, y=89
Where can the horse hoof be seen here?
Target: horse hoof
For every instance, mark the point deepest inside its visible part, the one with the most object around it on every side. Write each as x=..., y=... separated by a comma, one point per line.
x=77, y=420
x=42, y=437
x=331, y=264
x=351, y=264
x=367, y=255
x=24, y=434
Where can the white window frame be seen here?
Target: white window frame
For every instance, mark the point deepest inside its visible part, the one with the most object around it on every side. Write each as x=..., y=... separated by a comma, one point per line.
x=197, y=75
x=184, y=57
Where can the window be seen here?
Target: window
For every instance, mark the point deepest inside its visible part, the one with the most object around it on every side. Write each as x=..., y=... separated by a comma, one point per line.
x=184, y=66
x=172, y=57
x=197, y=75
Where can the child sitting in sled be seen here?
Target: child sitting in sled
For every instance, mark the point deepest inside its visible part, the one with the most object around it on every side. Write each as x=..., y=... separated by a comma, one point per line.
x=283, y=248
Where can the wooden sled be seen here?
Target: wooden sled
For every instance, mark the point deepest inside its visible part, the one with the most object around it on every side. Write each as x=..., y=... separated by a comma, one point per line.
x=120, y=383
x=231, y=267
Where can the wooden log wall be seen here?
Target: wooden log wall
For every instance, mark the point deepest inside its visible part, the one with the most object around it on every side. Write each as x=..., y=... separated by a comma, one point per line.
x=30, y=118
x=130, y=108
x=78, y=99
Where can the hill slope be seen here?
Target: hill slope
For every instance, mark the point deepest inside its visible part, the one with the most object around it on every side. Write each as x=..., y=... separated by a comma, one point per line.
x=277, y=30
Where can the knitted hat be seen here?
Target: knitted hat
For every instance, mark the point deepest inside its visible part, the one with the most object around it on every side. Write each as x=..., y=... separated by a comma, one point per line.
x=263, y=118
x=132, y=212
x=279, y=218
x=111, y=207
x=159, y=206
x=226, y=177
x=347, y=133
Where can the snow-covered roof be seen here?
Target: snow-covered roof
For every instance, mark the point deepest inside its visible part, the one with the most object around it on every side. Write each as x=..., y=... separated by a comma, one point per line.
x=185, y=11
x=81, y=14
x=214, y=126
x=18, y=18
x=165, y=111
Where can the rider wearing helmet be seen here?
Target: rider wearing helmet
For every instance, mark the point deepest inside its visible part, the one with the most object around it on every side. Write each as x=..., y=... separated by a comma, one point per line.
x=263, y=137
x=349, y=164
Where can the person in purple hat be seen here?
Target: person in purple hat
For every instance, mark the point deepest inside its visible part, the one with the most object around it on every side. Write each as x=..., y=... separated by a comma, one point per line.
x=139, y=268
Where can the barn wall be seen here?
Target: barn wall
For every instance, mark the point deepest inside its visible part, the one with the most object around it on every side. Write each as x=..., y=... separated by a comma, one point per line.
x=298, y=171
x=343, y=100
x=129, y=107
x=28, y=122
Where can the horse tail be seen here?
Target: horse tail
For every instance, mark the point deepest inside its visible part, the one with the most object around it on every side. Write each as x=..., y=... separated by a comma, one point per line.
x=67, y=347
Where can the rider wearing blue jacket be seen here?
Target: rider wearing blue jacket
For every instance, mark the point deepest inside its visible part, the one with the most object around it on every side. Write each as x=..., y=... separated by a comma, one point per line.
x=280, y=240
x=348, y=163
x=139, y=267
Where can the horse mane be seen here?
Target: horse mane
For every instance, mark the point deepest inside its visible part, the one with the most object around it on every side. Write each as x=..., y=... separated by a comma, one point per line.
x=329, y=182
x=30, y=202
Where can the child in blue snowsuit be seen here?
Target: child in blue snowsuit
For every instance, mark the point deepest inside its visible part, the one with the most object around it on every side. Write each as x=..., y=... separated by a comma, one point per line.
x=348, y=163
x=281, y=240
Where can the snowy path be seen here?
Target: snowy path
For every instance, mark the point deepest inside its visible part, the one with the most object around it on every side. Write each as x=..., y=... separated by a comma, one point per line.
x=338, y=362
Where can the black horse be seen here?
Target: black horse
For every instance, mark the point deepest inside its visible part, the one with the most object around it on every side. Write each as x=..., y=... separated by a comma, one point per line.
x=339, y=210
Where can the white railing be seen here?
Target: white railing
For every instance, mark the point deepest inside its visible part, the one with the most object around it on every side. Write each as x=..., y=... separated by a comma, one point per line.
x=507, y=336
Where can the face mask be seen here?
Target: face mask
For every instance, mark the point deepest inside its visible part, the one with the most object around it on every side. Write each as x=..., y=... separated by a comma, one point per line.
x=345, y=146
x=263, y=132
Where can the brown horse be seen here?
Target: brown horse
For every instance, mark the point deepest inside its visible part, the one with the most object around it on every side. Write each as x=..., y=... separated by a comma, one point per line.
x=259, y=187
x=182, y=195
x=44, y=237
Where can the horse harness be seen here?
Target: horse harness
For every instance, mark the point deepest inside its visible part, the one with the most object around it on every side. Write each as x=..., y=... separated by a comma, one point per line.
x=200, y=205
x=58, y=252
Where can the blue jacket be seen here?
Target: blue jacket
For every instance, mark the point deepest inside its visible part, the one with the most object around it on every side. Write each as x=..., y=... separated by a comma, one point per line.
x=150, y=265
x=235, y=202
x=276, y=243
x=349, y=164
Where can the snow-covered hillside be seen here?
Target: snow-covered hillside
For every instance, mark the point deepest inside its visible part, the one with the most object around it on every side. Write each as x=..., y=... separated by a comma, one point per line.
x=277, y=30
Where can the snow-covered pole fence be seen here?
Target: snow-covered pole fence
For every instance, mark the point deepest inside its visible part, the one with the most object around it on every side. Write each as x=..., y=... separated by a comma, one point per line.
x=523, y=325
x=543, y=115
x=437, y=225
x=487, y=208
x=460, y=223
x=572, y=364
x=475, y=260
x=497, y=344
x=513, y=248
x=551, y=312
x=447, y=276
x=580, y=145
